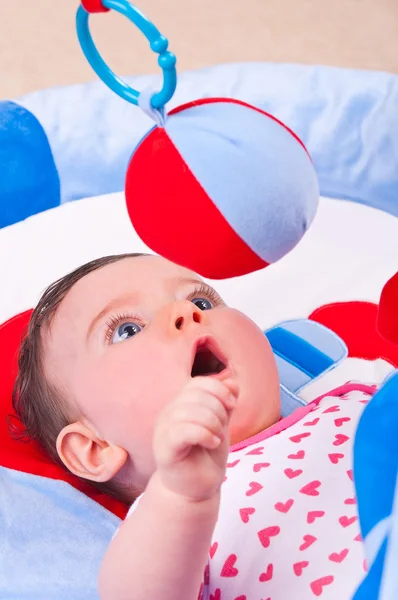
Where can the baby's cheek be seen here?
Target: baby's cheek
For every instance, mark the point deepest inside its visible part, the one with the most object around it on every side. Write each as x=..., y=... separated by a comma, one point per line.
x=148, y=379
x=160, y=368
x=244, y=338
x=259, y=402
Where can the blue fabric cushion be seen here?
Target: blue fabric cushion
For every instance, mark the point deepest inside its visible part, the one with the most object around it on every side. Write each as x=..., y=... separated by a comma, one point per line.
x=29, y=181
x=346, y=117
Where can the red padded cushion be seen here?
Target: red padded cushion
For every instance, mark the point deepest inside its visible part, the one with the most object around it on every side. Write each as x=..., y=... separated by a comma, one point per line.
x=387, y=320
x=28, y=456
x=356, y=324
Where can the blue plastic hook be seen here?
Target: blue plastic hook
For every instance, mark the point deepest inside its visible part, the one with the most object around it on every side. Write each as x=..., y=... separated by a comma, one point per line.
x=158, y=43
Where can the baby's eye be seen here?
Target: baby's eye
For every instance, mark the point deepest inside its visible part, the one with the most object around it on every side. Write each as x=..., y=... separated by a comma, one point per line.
x=202, y=303
x=125, y=331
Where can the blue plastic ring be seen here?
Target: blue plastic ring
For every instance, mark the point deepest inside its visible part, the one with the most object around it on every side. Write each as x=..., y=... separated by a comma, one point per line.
x=158, y=43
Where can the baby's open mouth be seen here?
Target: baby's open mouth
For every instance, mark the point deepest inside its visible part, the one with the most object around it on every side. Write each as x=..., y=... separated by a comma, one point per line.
x=206, y=362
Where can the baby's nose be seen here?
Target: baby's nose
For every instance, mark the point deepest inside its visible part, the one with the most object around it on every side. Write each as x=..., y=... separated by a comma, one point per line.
x=185, y=313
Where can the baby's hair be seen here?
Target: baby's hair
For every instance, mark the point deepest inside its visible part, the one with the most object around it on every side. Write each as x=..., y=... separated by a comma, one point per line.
x=38, y=405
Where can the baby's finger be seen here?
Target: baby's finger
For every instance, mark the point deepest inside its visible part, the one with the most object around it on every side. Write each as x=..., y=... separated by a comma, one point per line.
x=201, y=415
x=226, y=391
x=182, y=437
x=194, y=398
x=231, y=384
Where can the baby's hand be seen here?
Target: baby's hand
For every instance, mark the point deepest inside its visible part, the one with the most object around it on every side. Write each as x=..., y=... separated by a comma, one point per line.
x=191, y=440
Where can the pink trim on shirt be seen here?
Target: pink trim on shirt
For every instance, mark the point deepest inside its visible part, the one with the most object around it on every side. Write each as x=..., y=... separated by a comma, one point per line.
x=349, y=387
x=301, y=412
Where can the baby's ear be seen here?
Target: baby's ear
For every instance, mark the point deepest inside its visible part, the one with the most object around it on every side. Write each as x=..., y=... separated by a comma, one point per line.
x=88, y=456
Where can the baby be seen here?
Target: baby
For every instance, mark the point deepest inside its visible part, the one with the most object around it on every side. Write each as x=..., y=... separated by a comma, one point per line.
x=138, y=377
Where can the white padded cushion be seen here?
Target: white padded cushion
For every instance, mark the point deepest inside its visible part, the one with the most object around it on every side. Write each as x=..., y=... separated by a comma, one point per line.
x=348, y=254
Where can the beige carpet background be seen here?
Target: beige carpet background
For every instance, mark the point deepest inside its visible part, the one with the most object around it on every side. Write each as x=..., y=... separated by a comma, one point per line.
x=38, y=45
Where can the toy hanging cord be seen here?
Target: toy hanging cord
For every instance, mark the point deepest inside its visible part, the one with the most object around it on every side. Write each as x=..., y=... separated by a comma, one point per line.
x=158, y=44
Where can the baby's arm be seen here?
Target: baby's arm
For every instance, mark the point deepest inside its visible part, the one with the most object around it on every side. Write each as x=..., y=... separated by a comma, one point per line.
x=161, y=550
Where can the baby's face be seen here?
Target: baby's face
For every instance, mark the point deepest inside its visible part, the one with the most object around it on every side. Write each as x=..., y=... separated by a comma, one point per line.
x=128, y=337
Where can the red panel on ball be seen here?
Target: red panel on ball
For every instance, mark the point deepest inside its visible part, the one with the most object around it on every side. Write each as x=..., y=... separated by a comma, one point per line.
x=94, y=6
x=174, y=216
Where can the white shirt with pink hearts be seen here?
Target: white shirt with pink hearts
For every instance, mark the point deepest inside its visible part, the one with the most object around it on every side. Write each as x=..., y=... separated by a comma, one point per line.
x=288, y=525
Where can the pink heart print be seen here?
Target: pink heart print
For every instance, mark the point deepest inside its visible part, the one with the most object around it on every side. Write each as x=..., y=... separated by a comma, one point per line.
x=200, y=595
x=267, y=575
x=245, y=513
x=300, y=454
x=229, y=569
x=311, y=489
x=339, y=422
x=308, y=540
x=335, y=457
x=314, y=514
x=338, y=557
x=339, y=439
x=291, y=474
x=298, y=567
x=318, y=585
x=264, y=535
x=300, y=436
x=331, y=409
x=258, y=466
x=206, y=576
x=255, y=451
x=284, y=507
x=347, y=521
x=254, y=487
x=213, y=549
x=350, y=501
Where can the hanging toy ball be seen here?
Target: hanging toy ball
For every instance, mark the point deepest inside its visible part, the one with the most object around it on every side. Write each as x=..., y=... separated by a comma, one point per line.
x=217, y=185
x=222, y=188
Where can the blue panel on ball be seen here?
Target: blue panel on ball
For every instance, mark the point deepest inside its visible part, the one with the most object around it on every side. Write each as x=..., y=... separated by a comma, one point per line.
x=29, y=181
x=255, y=171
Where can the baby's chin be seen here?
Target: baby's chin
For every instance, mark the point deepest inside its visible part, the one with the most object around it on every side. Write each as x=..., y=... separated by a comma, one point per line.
x=241, y=431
